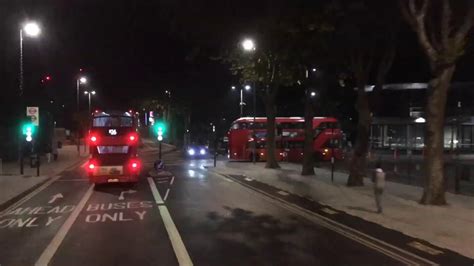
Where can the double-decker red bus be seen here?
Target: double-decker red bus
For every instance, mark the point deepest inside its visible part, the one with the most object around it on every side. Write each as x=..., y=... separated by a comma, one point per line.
x=289, y=138
x=113, y=148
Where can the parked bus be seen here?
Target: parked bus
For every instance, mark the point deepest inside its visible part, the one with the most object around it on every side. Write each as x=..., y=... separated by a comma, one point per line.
x=326, y=130
x=113, y=147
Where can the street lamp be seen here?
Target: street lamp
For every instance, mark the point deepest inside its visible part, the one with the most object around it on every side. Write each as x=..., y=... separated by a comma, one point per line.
x=89, y=94
x=79, y=81
x=242, y=103
x=313, y=94
x=248, y=45
x=29, y=29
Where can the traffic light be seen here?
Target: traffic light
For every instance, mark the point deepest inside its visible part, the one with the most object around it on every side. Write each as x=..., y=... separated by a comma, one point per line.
x=28, y=130
x=160, y=129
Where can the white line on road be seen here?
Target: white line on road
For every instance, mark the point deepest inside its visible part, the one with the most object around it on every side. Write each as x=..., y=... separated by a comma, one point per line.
x=166, y=194
x=283, y=193
x=176, y=241
x=172, y=181
x=154, y=191
x=53, y=246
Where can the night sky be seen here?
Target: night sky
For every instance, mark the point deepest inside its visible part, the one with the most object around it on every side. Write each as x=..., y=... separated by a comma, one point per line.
x=136, y=49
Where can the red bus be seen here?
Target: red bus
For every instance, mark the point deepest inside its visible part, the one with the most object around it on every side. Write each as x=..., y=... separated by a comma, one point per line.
x=113, y=147
x=290, y=134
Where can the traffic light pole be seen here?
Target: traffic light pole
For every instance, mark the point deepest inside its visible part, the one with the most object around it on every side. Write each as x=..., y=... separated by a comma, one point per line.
x=159, y=150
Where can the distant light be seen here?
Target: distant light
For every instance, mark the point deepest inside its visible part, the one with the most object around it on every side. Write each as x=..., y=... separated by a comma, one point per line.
x=160, y=138
x=313, y=94
x=32, y=29
x=420, y=120
x=233, y=87
x=247, y=87
x=86, y=92
x=202, y=151
x=191, y=152
x=51, y=101
x=314, y=70
x=93, y=92
x=248, y=45
x=48, y=77
x=83, y=80
x=455, y=141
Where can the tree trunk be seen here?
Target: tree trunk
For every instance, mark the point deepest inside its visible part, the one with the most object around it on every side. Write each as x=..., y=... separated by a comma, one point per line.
x=271, y=126
x=358, y=165
x=308, y=167
x=435, y=110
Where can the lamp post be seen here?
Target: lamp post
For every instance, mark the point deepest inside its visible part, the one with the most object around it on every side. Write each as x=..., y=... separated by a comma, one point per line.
x=242, y=103
x=89, y=94
x=249, y=46
x=79, y=81
x=29, y=29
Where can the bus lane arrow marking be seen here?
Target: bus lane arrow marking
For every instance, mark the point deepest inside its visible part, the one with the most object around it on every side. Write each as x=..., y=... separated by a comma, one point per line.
x=55, y=197
x=122, y=194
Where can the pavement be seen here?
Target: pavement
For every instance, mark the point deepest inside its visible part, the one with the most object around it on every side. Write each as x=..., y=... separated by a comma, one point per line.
x=450, y=227
x=189, y=214
x=13, y=184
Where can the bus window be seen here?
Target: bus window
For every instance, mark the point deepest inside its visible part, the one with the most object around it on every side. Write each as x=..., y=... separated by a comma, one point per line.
x=332, y=143
x=112, y=121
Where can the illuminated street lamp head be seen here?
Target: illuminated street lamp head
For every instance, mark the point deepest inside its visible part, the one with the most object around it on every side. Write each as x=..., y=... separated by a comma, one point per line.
x=32, y=29
x=247, y=87
x=93, y=92
x=313, y=94
x=86, y=92
x=248, y=45
x=233, y=87
x=83, y=80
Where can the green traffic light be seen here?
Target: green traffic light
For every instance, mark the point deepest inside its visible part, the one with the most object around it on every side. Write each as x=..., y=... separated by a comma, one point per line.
x=28, y=129
x=160, y=128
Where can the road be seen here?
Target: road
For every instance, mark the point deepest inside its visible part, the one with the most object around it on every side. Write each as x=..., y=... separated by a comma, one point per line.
x=191, y=215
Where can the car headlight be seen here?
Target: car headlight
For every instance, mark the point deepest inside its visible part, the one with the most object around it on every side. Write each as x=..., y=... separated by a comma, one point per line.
x=202, y=151
x=191, y=152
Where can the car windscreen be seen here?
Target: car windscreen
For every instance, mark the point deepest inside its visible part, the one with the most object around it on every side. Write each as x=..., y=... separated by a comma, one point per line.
x=112, y=121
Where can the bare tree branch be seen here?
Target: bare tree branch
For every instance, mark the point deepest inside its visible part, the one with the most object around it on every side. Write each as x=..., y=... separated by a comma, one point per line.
x=466, y=26
x=445, y=23
x=418, y=16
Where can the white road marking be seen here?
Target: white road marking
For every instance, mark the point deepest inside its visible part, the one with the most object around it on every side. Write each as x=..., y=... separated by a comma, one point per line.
x=53, y=246
x=283, y=193
x=173, y=234
x=122, y=194
x=154, y=191
x=55, y=197
x=248, y=179
x=166, y=194
x=172, y=181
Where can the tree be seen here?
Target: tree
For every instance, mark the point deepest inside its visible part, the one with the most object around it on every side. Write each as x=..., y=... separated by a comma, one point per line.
x=366, y=40
x=270, y=66
x=442, y=38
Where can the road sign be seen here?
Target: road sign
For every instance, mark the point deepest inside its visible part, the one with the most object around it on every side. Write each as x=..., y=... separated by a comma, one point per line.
x=33, y=113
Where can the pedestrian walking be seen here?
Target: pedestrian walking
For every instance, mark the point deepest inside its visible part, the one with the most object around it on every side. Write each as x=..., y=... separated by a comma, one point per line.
x=378, y=179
